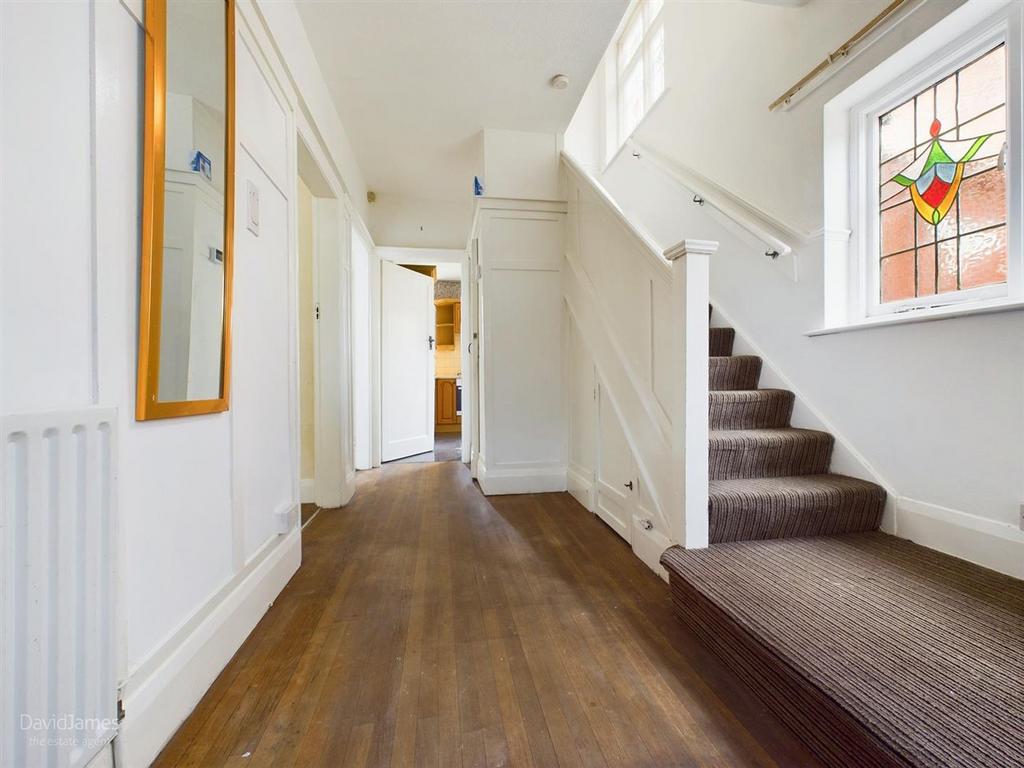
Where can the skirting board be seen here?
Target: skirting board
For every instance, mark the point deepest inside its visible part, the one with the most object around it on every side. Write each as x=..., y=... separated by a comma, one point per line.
x=307, y=490
x=581, y=486
x=999, y=546
x=649, y=546
x=500, y=482
x=156, y=706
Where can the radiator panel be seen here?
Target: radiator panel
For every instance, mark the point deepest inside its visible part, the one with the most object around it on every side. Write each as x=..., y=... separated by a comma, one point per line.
x=58, y=534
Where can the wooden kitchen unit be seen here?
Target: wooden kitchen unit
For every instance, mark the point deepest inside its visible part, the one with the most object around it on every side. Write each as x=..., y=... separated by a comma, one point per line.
x=445, y=417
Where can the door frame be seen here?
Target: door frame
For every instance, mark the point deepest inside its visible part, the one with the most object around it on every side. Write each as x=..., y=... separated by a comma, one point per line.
x=334, y=474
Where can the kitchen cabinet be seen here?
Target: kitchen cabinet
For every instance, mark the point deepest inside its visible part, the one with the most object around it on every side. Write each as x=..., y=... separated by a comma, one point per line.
x=445, y=412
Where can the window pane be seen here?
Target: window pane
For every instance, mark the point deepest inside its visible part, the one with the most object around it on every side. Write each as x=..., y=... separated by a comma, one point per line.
x=926, y=270
x=945, y=231
x=631, y=98
x=983, y=258
x=656, y=57
x=949, y=267
x=896, y=131
x=898, y=276
x=653, y=9
x=897, y=228
x=982, y=85
x=629, y=43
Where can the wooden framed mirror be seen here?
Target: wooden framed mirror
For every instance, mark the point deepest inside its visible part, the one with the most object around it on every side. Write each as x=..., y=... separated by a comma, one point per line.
x=187, y=209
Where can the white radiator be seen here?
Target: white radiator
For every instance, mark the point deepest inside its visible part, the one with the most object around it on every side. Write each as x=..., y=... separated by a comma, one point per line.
x=57, y=533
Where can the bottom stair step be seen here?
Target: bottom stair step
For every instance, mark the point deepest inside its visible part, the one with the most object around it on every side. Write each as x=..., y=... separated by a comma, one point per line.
x=805, y=505
x=873, y=650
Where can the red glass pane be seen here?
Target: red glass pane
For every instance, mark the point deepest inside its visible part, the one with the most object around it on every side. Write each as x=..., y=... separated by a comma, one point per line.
x=898, y=228
x=898, y=277
x=983, y=258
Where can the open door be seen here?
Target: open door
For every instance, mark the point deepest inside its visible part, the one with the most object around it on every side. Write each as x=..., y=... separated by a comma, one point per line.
x=407, y=362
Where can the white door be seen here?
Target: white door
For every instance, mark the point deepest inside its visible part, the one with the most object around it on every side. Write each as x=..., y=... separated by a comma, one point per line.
x=616, y=471
x=407, y=362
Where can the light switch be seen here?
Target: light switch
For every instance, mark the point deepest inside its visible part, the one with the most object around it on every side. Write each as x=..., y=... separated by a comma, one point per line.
x=252, y=208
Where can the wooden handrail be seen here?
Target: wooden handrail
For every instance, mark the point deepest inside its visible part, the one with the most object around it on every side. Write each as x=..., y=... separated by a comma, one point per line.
x=839, y=53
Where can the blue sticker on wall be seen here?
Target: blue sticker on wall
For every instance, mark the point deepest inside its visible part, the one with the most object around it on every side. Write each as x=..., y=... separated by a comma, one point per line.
x=202, y=164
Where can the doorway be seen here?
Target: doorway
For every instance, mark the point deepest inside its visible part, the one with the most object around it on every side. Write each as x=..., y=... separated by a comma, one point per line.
x=323, y=443
x=411, y=385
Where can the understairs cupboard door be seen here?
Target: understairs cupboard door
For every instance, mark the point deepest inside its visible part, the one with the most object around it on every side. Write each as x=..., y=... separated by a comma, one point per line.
x=616, y=471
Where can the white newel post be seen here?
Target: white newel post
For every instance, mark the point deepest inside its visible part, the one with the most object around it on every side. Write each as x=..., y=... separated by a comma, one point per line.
x=691, y=261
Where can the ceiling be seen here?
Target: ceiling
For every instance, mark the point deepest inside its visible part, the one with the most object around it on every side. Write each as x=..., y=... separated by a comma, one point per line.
x=415, y=82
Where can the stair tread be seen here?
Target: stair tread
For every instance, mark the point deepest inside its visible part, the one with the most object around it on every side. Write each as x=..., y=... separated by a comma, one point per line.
x=767, y=435
x=910, y=648
x=750, y=393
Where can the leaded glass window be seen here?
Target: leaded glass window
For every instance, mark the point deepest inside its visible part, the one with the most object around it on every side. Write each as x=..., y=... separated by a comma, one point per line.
x=942, y=225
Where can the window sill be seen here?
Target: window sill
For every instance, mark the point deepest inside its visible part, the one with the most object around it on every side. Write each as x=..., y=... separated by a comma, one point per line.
x=924, y=316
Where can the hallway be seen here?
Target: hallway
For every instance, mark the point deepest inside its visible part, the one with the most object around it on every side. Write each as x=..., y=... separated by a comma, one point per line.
x=431, y=626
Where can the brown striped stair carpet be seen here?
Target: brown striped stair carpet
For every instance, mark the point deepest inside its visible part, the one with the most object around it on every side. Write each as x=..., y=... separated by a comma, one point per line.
x=767, y=479
x=873, y=650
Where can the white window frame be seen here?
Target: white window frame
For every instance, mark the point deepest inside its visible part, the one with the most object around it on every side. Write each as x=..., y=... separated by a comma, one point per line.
x=852, y=263
x=651, y=22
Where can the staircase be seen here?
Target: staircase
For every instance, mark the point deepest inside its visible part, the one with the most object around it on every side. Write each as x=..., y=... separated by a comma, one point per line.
x=767, y=479
x=873, y=650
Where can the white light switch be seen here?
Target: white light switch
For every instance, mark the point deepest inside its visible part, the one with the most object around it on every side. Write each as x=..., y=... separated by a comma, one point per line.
x=252, y=208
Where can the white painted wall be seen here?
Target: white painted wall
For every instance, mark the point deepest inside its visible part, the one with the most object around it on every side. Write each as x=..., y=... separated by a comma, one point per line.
x=522, y=164
x=932, y=410
x=418, y=223
x=201, y=557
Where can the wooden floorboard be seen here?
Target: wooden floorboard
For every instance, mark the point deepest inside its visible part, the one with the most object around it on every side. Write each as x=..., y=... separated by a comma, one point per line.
x=431, y=626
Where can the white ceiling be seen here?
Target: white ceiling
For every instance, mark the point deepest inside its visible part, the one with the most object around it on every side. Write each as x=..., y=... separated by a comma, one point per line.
x=415, y=82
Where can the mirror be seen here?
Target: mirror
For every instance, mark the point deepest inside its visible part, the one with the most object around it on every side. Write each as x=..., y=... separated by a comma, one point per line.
x=188, y=183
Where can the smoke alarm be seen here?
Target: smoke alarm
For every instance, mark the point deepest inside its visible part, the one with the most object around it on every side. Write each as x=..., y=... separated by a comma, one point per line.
x=560, y=82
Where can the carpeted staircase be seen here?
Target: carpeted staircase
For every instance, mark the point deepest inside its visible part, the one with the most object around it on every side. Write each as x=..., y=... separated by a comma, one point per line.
x=873, y=650
x=767, y=479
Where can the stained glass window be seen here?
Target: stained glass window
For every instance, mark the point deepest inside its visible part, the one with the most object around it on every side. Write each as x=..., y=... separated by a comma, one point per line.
x=942, y=219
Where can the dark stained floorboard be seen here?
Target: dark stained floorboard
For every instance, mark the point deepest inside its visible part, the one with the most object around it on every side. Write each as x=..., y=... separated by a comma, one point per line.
x=431, y=626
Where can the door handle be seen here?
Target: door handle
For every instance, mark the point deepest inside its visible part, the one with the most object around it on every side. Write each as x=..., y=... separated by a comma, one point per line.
x=629, y=485
x=430, y=341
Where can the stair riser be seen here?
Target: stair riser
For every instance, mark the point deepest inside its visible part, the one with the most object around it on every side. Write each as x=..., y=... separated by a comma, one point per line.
x=721, y=341
x=774, y=518
x=763, y=409
x=733, y=373
x=770, y=459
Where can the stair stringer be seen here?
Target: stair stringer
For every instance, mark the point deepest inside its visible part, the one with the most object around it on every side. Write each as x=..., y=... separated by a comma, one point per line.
x=846, y=459
x=643, y=420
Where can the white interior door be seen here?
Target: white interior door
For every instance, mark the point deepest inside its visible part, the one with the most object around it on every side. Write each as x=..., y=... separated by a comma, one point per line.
x=407, y=362
x=616, y=472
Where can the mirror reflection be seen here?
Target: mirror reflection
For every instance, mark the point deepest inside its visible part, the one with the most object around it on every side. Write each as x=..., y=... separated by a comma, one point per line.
x=193, y=274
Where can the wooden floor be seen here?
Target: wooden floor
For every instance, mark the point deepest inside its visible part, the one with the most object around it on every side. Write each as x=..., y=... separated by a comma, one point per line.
x=431, y=626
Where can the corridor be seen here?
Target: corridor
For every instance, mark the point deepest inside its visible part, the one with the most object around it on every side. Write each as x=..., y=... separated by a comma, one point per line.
x=431, y=626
